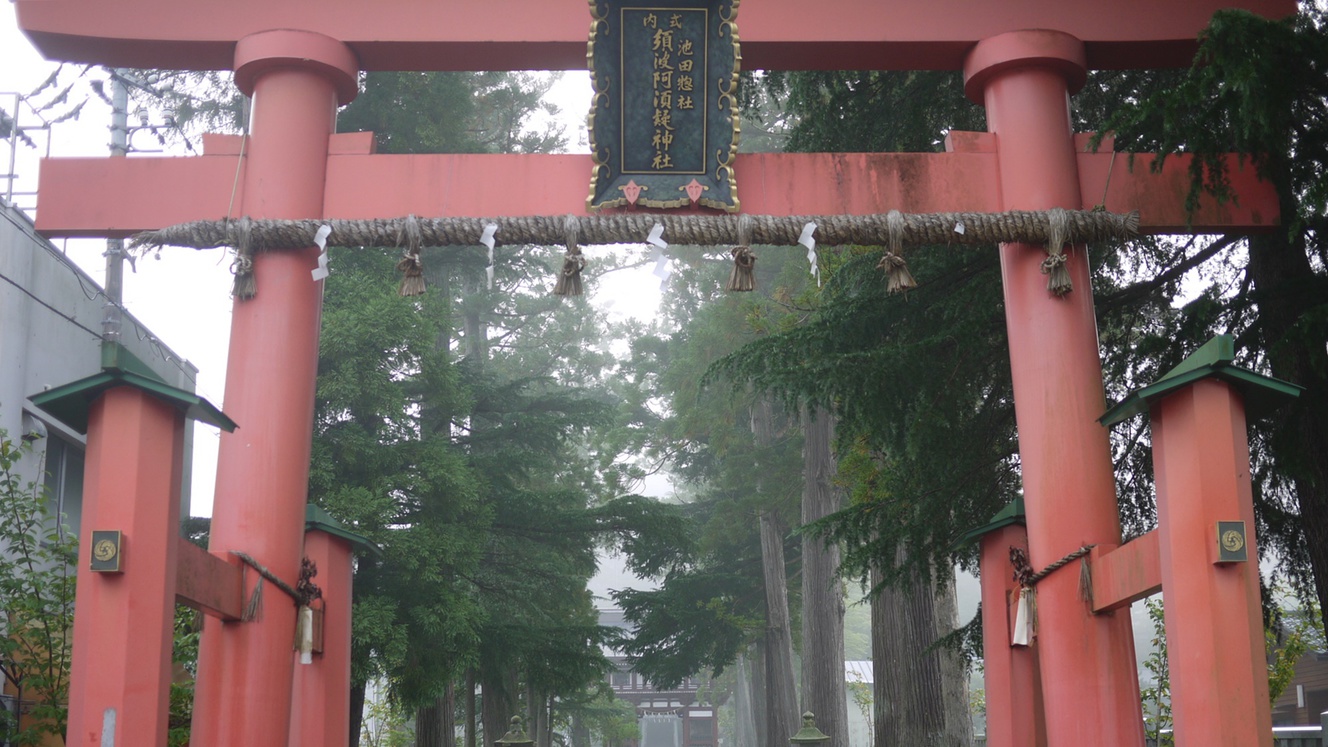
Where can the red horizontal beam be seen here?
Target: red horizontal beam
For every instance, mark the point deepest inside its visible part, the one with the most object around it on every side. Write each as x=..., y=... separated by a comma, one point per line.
x=552, y=34
x=122, y=196
x=1126, y=574
x=208, y=583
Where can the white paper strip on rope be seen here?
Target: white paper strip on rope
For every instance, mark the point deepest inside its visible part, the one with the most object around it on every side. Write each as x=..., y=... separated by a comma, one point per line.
x=656, y=236
x=486, y=238
x=807, y=240
x=1022, y=635
x=320, y=238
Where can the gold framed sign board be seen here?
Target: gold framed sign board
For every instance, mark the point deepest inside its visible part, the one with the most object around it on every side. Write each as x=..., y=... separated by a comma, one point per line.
x=664, y=117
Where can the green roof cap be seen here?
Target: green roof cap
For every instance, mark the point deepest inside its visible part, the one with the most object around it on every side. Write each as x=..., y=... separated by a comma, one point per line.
x=1213, y=359
x=70, y=403
x=317, y=518
x=1013, y=513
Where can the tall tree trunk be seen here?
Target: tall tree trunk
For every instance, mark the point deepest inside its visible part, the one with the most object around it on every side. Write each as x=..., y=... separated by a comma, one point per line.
x=744, y=727
x=920, y=697
x=823, y=689
x=470, y=708
x=781, y=700
x=1288, y=292
x=498, y=706
x=781, y=703
x=429, y=725
x=759, y=709
x=356, y=713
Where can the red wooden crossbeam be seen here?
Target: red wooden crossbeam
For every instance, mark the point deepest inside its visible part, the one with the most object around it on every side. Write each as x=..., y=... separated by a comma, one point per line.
x=551, y=34
x=1126, y=574
x=119, y=197
x=208, y=583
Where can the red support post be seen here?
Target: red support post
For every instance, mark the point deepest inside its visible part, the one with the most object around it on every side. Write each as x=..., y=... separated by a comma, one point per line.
x=321, y=715
x=124, y=621
x=1087, y=662
x=297, y=79
x=1215, y=640
x=1013, y=689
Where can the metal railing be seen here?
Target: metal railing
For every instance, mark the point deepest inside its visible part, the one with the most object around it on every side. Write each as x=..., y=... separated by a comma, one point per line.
x=22, y=126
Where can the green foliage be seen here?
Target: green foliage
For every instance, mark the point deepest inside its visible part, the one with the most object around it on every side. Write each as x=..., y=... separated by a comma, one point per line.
x=184, y=653
x=1298, y=632
x=37, y=577
x=454, y=112
x=1156, y=693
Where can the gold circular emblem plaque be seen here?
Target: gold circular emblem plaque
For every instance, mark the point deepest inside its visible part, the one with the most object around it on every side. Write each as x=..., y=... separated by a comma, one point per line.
x=104, y=550
x=1232, y=541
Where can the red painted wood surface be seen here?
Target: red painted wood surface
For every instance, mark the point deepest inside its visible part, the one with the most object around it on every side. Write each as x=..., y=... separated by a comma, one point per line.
x=243, y=693
x=207, y=582
x=84, y=197
x=1215, y=641
x=1010, y=673
x=551, y=34
x=124, y=622
x=321, y=692
x=1126, y=574
x=1069, y=486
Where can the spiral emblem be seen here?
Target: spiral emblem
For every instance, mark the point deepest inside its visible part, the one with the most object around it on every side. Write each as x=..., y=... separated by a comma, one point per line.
x=104, y=550
x=1232, y=541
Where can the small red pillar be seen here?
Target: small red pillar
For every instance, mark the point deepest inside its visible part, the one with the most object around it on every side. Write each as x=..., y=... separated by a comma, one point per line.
x=124, y=621
x=297, y=79
x=321, y=697
x=1012, y=685
x=124, y=609
x=1210, y=573
x=1215, y=640
x=1087, y=662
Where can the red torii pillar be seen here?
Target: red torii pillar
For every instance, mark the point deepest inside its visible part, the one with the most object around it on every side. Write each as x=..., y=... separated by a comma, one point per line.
x=297, y=79
x=1024, y=79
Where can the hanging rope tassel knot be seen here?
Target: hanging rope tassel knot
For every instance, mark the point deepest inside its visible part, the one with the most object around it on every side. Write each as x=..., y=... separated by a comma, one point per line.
x=742, y=279
x=411, y=267
x=897, y=277
x=569, y=278
x=244, y=287
x=306, y=592
x=1058, y=232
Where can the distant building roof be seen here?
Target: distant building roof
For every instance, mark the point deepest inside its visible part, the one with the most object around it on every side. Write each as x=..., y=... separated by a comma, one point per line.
x=858, y=671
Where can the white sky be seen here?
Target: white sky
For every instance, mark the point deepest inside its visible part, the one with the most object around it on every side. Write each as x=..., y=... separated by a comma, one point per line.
x=184, y=298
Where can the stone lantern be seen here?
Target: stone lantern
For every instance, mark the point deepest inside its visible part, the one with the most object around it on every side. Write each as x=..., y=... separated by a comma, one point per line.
x=809, y=734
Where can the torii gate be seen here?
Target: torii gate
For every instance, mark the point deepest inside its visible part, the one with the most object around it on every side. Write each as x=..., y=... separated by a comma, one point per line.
x=299, y=59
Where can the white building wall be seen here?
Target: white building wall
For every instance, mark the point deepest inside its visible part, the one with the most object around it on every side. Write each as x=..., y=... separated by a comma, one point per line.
x=50, y=335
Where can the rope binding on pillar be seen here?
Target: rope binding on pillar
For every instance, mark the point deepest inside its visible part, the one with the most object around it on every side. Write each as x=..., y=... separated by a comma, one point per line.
x=1058, y=277
x=897, y=277
x=1026, y=613
x=253, y=609
x=569, y=279
x=243, y=267
x=743, y=277
x=410, y=266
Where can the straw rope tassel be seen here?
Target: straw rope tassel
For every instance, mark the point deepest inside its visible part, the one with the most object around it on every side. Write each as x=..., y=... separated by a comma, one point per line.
x=1058, y=232
x=897, y=276
x=412, y=269
x=244, y=287
x=569, y=278
x=742, y=279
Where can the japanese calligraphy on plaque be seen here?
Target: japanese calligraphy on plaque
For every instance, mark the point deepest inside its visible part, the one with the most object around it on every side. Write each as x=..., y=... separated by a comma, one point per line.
x=664, y=118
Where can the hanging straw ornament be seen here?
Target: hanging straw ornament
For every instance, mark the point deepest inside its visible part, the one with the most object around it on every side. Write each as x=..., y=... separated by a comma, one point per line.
x=1058, y=231
x=244, y=287
x=1025, y=619
x=569, y=279
x=897, y=276
x=743, y=277
x=412, y=269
